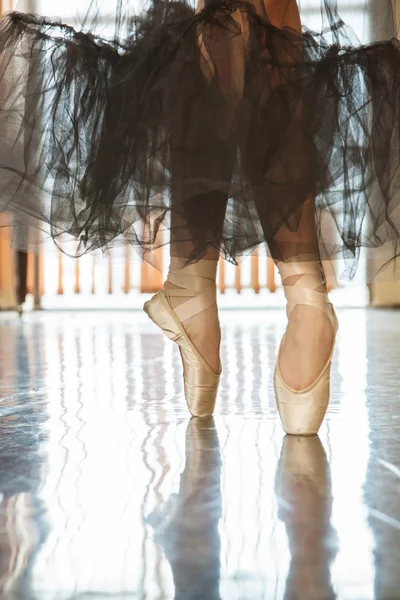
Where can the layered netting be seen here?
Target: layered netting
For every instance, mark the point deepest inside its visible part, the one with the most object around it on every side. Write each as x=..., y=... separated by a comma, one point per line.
x=215, y=124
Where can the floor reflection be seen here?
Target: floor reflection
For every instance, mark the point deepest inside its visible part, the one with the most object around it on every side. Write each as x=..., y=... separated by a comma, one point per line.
x=382, y=489
x=108, y=489
x=186, y=527
x=304, y=496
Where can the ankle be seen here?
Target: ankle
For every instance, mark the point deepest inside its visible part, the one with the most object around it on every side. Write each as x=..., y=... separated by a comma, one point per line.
x=293, y=279
x=293, y=270
x=191, y=289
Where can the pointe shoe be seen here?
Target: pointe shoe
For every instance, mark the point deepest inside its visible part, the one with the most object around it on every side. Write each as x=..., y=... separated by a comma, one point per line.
x=302, y=411
x=197, y=282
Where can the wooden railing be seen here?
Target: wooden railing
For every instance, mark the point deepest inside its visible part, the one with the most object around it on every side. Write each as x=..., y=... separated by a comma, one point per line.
x=147, y=279
x=55, y=273
x=256, y=273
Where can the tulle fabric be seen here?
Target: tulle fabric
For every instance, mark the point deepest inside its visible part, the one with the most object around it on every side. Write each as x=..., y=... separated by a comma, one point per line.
x=207, y=126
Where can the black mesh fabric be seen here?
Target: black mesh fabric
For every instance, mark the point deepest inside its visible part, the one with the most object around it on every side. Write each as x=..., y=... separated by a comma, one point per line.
x=217, y=124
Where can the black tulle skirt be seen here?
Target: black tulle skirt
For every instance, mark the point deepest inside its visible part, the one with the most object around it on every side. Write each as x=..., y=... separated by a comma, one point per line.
x=215, y=125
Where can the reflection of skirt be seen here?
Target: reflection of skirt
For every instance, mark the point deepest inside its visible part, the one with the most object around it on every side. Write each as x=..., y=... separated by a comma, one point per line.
x=216, y=126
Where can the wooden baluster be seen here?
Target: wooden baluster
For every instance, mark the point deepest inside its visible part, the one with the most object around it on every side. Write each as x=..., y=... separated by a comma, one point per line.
x=127, y=270
x=60, y=286
x=38, y=282
x=271, y=285
x=238, y=282
x=35, y=276
x=77, y=288
x=255, y=281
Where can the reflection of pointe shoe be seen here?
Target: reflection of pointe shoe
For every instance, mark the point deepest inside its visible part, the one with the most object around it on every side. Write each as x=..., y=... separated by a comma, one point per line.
x=303, y=493
x=186, y=527
x=202, y=452
x=302, y=411
x=302, y=461
x=197, y=282
x=199, y=481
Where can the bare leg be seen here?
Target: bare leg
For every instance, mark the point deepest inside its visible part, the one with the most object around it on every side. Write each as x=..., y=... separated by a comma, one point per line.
x=309, y=337
x=208, y=156
x=191, y=217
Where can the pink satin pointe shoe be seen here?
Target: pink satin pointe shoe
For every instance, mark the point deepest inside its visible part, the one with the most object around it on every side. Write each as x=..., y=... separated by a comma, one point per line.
x=302, y=411
x=197, y=283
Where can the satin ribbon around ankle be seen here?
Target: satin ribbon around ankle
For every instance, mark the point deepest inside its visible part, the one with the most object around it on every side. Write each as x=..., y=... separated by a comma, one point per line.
x=304, y=290
x=196, y=282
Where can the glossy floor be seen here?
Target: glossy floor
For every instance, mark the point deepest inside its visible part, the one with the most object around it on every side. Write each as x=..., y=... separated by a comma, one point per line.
x=107, y=489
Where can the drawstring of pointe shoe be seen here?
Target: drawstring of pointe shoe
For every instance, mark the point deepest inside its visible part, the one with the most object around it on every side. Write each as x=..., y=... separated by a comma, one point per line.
x=196, y=282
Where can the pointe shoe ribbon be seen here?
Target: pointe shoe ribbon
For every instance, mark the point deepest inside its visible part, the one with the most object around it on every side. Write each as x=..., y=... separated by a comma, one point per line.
x=197, y=283
x=302, y=411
